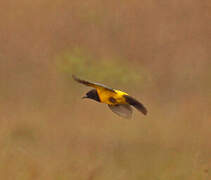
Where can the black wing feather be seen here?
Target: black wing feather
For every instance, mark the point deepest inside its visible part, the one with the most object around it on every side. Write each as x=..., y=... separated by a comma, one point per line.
x=92, y=84
x=139, y=106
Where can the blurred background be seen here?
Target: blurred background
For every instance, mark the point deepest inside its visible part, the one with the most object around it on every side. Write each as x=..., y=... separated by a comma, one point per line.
x=157, y=51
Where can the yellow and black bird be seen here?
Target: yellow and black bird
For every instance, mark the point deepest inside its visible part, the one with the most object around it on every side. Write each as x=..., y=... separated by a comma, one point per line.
x=119, y=102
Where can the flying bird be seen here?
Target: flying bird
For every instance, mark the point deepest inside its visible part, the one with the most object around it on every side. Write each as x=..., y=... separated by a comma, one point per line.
x=118, y=101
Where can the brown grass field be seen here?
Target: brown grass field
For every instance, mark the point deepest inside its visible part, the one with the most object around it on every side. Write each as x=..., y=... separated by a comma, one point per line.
x=157, y=51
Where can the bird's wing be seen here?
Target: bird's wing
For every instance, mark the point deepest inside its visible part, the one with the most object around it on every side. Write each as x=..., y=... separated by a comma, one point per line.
x=94, y=85
x=139, y=106
x=123, y=110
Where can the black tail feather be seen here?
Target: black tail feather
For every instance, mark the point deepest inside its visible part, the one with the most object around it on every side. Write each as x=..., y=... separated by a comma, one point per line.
x=139, y=106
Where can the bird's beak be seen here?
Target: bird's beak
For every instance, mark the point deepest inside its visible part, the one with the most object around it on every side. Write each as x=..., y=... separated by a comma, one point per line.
x=84, y=97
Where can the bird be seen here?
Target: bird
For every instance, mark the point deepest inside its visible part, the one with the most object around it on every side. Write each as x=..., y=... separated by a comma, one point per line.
x=118, y=101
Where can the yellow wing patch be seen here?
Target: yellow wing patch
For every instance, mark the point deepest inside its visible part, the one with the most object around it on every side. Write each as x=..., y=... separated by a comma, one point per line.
x=119, y=96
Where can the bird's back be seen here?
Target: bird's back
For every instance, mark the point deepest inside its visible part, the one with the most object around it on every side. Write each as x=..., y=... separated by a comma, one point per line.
x=111, y=98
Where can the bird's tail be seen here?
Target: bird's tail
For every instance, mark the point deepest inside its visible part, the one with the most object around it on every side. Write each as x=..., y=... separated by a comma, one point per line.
x=139, y=106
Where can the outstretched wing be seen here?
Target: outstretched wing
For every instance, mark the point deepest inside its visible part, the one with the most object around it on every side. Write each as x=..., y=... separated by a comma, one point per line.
x=132, y=101
x=123, y=110
x=94, y=85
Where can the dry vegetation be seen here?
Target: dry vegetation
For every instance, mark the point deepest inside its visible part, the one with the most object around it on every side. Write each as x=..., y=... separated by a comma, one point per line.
x=159, y=51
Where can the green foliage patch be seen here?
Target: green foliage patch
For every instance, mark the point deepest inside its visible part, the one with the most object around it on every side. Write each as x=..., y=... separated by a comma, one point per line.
x=111, y=71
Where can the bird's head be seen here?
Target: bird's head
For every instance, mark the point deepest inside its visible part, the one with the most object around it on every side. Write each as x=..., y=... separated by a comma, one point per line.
x=92, y=95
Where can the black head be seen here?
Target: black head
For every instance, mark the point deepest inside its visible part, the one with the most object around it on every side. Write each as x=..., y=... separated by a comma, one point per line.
x=92, y=95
